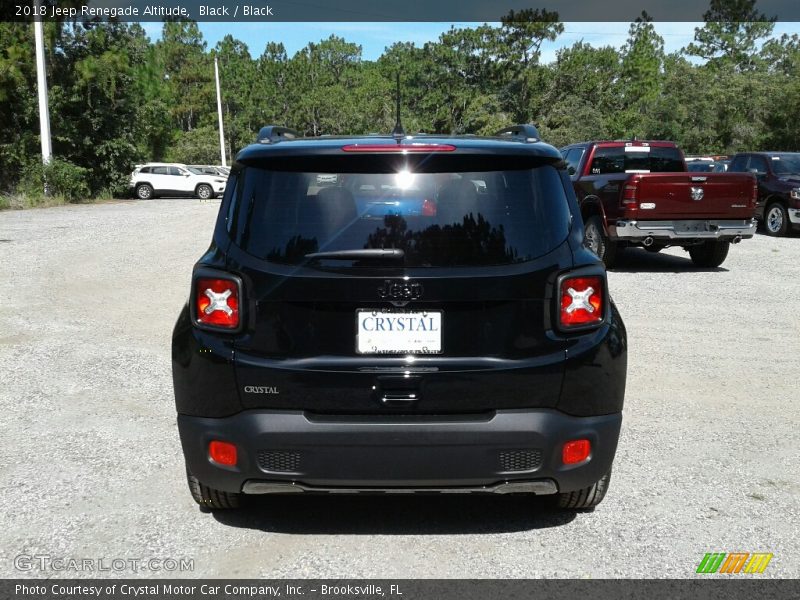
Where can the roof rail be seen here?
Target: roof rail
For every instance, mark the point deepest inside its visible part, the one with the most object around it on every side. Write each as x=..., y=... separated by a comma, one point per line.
x=520, y=133
x=272, y=134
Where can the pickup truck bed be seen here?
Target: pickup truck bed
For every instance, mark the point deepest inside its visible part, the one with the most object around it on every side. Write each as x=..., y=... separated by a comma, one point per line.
x=624, y=204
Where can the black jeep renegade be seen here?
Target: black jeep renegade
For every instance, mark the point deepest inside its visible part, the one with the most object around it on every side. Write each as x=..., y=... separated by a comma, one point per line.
x=399, y=313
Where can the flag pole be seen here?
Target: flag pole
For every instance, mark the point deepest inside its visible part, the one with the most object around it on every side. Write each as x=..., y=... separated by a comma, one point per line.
x=41, y=79
x=219, y=115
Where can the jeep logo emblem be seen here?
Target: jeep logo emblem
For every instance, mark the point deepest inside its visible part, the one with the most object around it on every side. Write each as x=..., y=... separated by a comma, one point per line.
x=400, y=290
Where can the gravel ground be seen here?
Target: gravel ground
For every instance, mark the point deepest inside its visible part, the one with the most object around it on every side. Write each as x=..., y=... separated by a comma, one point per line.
x=90, y=464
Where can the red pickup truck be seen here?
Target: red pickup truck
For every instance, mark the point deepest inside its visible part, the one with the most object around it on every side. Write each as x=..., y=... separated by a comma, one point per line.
x=639, y=193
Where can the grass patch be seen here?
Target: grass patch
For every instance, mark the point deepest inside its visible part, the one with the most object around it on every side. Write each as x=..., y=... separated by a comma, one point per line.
x=21, y=201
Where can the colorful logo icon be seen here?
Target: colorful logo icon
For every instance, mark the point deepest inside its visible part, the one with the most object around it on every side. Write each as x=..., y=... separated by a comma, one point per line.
x=734, y=562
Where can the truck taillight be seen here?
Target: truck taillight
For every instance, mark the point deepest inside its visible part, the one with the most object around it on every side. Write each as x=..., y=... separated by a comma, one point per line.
x=428, y=208
x=754, y=197
x=217, y=302
x=581, y=301
x=629, y=193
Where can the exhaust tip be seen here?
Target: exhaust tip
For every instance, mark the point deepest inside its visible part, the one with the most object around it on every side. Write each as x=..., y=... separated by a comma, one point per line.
x=737, y=239
x=648, y=241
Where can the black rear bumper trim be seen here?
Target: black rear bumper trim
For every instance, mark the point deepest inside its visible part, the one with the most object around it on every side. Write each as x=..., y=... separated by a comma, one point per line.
x=395, y=455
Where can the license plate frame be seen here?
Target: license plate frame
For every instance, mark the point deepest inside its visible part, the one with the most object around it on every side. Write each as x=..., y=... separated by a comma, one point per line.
x=416, y=342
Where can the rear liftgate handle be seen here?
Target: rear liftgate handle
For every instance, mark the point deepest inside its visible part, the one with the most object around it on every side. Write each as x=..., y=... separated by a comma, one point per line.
x=403, y=390
x=399, y=398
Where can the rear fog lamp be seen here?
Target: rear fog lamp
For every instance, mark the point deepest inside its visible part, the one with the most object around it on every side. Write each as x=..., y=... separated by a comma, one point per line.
x=576, y=451
x=223, y=453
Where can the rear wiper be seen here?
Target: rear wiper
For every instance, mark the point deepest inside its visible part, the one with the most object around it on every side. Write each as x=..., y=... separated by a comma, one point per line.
x=359, y=254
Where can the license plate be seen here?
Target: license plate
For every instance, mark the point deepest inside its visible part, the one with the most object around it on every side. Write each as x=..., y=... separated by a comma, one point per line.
x=692, y=226
x=397, y=332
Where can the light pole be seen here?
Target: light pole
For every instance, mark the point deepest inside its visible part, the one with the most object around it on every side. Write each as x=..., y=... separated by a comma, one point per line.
x=219, y=114
x=41, y=79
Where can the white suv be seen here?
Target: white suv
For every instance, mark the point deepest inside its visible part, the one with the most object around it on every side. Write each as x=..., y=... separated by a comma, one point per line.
x=172, y=179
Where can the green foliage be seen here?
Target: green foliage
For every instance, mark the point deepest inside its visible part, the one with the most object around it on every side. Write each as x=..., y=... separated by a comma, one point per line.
x=732, y=31
x=200, y=146
x=62, y=178
x=116, y=99
x=64, y=182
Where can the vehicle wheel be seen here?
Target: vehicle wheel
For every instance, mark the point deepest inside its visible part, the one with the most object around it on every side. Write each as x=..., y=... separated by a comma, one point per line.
x=144, y=191
x=204, y=192
x=776, y=219
x=587, y=497
x=597, y=241
x=709, y=254
x=209, y=498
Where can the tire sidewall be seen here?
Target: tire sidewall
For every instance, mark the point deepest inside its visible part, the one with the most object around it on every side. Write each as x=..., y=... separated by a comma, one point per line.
x=593, y=236
x=144, y=187
x=204, y=187
x=710, y=254
x=779, y=210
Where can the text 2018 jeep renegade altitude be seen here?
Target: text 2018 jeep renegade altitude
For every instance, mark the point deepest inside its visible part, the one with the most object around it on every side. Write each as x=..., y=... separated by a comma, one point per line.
x=399, y=313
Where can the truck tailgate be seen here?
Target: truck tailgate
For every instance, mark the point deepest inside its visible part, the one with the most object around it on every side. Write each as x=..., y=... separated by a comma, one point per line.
x=695, y=195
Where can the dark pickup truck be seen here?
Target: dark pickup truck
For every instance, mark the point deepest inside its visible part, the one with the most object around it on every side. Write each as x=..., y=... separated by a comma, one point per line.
x=778, y=175
x=639, y=193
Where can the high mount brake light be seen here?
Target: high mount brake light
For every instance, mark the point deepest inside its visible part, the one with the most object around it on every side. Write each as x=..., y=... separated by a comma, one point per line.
x=398, y=148
x=217, y=302
x=581, y=301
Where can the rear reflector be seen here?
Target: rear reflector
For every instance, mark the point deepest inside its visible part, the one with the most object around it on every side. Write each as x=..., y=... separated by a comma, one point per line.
x=429, y=208
x=581, y=301
x=223, y=453
x=576, y=451
x=398, y=148
x=217, y=302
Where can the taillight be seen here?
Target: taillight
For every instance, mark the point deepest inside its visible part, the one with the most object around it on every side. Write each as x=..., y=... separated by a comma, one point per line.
x=581, y=301
x=754, y=197
x=223, y=453
x=428, y=208
x=630, y=191
x=217, y=302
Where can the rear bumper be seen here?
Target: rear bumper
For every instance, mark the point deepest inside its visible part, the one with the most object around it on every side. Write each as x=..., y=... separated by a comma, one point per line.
x=705, y=229
x=286, y=451
x=794, y=217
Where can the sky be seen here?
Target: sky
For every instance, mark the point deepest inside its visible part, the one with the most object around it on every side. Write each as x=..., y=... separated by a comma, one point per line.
x=375, y=37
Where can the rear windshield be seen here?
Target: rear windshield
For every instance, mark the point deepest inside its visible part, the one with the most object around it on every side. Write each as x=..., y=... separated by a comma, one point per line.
x=700, y=166
x=785, y=164
x=636, y=159
x=436, y=219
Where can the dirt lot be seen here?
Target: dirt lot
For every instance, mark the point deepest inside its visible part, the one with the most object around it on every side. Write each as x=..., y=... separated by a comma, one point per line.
x=90, y=464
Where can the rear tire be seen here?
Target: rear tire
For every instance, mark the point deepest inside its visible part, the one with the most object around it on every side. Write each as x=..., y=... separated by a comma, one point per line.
x=709, y=254
x=588, y=497
x=209, y=498
x=144, y=191
x=776, y=220
x=597, y=241
x=204, y=191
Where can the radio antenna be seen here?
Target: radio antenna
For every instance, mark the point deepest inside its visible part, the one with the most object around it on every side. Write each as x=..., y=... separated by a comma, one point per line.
x=398, y=131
